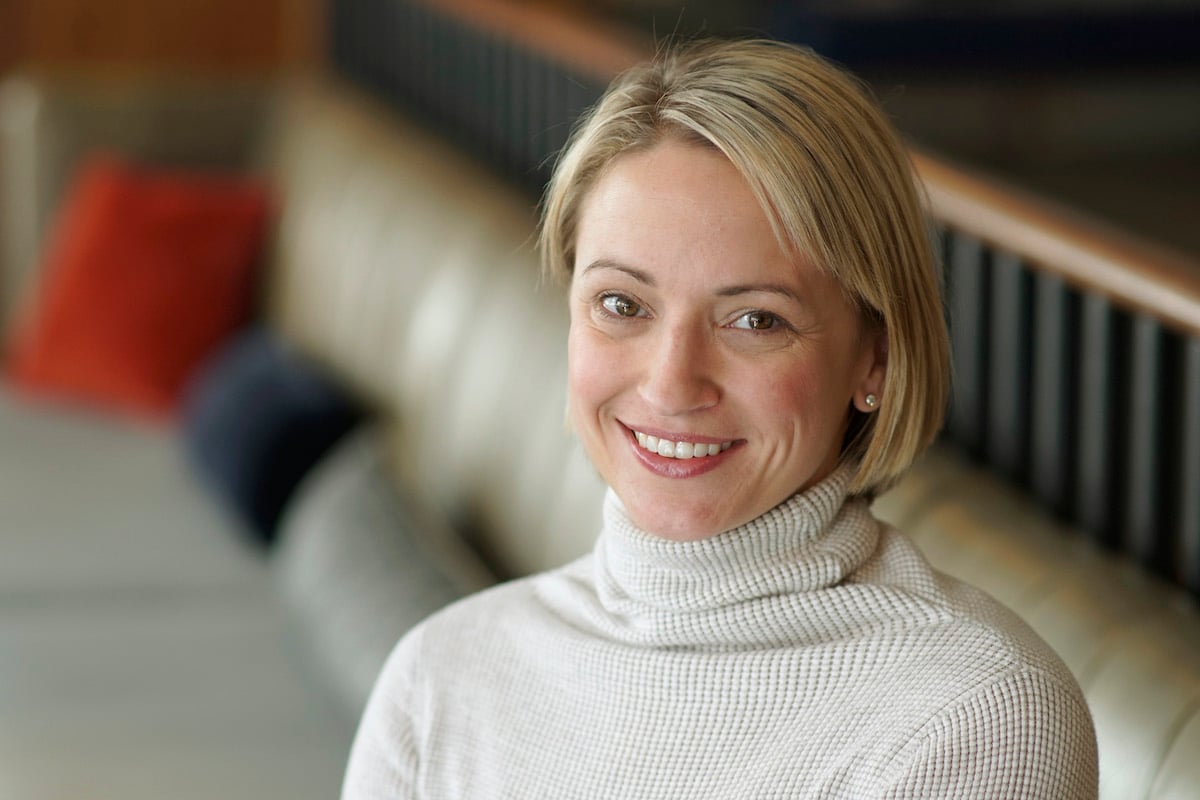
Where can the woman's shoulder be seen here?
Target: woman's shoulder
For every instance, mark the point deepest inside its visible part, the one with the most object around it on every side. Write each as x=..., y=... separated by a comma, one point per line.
x=998, y=680
x=963, y=614
x=1027, y=728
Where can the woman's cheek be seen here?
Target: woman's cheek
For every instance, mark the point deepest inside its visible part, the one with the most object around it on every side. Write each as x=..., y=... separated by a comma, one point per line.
x=589, y=379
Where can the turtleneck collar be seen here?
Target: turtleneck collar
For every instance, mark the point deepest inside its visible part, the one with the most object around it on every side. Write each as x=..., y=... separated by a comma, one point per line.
x=742, y=587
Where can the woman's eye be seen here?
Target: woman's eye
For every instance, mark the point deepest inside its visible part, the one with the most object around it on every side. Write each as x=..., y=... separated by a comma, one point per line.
x=757, y=321
x=620, y=306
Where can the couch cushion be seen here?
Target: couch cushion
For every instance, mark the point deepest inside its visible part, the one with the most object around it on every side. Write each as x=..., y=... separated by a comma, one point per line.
x=359, y=564
x=145, y=274
x=256, y=418
x=435, y=312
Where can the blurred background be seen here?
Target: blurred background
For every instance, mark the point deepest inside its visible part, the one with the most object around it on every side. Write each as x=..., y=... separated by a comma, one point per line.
x=1094, y=102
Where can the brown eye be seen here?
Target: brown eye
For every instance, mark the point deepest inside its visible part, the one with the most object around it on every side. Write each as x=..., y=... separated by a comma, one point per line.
x=757, y=321
x=620, y=306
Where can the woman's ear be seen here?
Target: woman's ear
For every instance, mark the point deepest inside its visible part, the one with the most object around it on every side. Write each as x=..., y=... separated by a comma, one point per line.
x=869, y=393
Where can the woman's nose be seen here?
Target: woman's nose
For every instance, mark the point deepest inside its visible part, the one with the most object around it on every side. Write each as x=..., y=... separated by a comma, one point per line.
x=679, y=375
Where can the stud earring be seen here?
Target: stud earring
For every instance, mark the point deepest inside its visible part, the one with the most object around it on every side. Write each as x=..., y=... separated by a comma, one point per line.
x=871, y=401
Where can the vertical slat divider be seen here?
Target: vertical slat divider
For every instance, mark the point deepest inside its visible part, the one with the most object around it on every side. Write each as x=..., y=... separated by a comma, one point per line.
x=398, y=59
x=578, y=96
x=549, y=105
x=516, y=103
x=337, y=26
x=1096, y=419
x=430, y=91
x=550, y=108
x=432, y=55
x=1051, y=466
x=1188, y=534
x=532, y=144
x=561, y=90
x=503, y=103
x=507, y=104
x=1007, y=429
x=967, y=289
x=462, y=65
x=1143, y=500
x=372, y=55
x=401, y=58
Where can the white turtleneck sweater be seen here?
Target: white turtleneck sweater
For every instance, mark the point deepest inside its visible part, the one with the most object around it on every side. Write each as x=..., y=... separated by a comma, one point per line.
x=810, y=653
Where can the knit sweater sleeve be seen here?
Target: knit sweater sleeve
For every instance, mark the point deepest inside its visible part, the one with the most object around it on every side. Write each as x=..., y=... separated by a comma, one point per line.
x=1025, y=736
x=384, y=758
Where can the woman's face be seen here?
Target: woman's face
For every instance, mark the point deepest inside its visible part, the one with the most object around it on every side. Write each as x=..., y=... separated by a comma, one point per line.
x=711, y=375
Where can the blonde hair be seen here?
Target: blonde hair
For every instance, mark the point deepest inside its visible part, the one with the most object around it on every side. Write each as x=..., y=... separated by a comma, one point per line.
x=834, y=180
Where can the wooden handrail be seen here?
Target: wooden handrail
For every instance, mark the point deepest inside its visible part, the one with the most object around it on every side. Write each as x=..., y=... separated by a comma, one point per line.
x=1133, y=273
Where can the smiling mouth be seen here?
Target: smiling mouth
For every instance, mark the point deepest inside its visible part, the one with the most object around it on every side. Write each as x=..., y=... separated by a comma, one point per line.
x=681, y=450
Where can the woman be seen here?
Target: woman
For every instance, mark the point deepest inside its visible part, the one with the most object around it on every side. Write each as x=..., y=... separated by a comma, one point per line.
x=756, y=348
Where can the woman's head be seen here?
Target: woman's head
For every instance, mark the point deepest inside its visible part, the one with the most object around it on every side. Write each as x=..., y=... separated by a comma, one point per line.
x=835, y=186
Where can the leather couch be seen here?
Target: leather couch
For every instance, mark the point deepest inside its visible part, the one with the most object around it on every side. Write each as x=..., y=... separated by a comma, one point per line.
x=145, y=651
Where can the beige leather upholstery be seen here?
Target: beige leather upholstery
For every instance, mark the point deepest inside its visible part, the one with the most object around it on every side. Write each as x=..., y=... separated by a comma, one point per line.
x=414, y=276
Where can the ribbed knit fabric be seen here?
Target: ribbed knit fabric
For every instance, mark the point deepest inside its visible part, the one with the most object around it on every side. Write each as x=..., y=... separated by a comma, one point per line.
x=811, y=653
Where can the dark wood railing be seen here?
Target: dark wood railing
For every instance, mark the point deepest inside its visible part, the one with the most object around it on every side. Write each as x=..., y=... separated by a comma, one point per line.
x=1076, y=349
x=1076, y=352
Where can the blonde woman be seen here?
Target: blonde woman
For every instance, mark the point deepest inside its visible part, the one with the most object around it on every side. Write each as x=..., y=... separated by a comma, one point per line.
x=756, y=348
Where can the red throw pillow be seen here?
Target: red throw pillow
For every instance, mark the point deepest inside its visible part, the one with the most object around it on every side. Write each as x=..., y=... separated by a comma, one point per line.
x=145, y=273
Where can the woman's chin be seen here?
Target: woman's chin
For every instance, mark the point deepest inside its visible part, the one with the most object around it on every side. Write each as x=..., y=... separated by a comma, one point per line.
x=670, y=521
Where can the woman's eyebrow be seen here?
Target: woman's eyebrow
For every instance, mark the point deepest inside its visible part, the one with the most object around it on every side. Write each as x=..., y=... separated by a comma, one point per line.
x=607, y=263
x=771, y=288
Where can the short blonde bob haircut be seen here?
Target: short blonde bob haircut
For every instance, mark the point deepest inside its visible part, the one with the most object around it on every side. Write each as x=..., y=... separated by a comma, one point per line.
x=835, y=182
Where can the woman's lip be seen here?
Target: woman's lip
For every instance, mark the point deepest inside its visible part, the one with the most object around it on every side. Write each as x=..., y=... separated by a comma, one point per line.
x=680, y=468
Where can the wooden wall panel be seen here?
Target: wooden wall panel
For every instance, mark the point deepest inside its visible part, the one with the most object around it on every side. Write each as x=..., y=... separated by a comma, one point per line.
x=12, y=27
x=195, y=35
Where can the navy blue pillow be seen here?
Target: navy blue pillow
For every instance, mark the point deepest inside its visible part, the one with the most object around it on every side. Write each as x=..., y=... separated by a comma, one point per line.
x=256, y=419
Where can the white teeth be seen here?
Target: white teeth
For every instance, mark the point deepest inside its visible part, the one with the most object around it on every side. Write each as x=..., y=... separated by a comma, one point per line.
x=680, y=450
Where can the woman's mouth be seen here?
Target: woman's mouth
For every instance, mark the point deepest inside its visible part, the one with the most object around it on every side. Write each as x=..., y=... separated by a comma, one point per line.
x=680, y=450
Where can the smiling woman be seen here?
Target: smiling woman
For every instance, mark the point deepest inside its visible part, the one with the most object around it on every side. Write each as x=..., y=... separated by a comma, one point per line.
x=756, y=347
x=691, y=326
